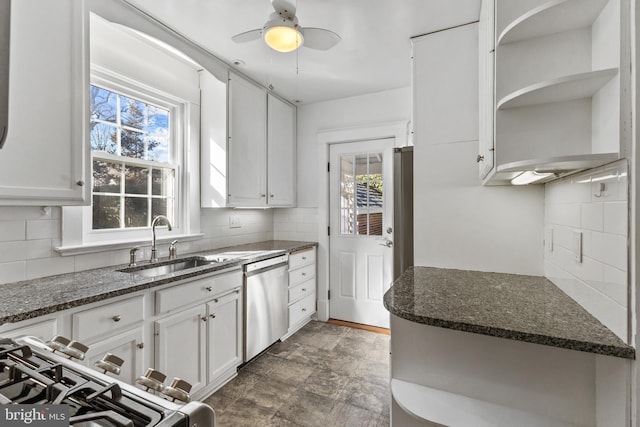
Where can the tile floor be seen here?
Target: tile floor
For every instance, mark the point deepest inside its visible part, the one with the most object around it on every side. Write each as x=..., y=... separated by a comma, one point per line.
x=325, y=375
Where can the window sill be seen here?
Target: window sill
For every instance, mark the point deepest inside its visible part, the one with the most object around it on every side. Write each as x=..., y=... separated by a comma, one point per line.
x=94, y=247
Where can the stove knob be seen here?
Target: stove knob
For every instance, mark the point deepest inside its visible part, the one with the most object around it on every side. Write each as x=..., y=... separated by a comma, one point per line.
x=58, y=343
x=75, y=349
x=179, y=389
x=110, y=363
x=152, y=379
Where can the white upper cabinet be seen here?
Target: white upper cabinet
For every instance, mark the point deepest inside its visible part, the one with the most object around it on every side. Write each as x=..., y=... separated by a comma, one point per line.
x=281, y=152
x=261, y=148
x=247, y=149
x=45, y=157
x=561, y=69
x=486, y=53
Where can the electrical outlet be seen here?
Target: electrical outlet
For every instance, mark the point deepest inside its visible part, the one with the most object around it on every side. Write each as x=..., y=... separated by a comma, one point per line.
x=234, y=221
x=548, y=240
x=577, y=246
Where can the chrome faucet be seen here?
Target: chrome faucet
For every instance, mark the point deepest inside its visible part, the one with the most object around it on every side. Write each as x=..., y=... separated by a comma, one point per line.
x=155, y=221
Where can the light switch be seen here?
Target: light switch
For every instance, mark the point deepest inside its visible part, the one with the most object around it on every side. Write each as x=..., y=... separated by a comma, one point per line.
x=234, y=221
x=577, y=245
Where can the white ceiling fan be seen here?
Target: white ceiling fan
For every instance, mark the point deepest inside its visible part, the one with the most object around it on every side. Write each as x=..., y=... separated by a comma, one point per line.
x=283, y=33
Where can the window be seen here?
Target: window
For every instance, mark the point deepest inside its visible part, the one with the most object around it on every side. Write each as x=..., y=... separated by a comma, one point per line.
x=134, y=178
x=361, y=201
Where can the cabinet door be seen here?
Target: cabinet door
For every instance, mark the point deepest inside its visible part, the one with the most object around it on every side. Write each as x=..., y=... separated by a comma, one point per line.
x=247, y=149
x=129, y=346
x=44, y=160
x=225, y=333
x=486, y=44
x=281, y=152
x=180, y=346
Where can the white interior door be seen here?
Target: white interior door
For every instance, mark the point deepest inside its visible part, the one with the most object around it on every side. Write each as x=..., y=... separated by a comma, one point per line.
x=361, y=237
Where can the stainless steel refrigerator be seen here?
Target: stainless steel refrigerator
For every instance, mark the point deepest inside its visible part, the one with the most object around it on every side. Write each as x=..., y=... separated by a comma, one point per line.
x=402, y=209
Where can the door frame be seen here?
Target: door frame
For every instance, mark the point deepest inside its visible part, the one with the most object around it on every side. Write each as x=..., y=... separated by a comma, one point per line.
x=397, y=130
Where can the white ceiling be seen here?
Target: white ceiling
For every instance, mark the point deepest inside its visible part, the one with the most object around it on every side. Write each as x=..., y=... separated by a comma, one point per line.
x=374, y=54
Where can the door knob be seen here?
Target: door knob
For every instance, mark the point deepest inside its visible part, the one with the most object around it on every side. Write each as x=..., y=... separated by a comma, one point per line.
x=388, y=243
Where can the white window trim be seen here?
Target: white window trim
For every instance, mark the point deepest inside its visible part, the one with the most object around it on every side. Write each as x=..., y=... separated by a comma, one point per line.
x=77, y=234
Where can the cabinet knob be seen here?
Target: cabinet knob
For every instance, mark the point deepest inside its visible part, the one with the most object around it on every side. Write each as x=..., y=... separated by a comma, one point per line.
x=140, y=345
x=303, y=274
x=117, y=318
x=304, y=309
x=304, y=289
x=209, y=288
x=479, y=159
x=272, y=195
x=263, y=195
x=80, y=183
x=213, y=316
x=304, y=258
x=204, y=318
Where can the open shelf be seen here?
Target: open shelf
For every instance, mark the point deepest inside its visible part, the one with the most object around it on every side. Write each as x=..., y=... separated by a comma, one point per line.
x=567, y=88
x=450, y=409
x=552, y=17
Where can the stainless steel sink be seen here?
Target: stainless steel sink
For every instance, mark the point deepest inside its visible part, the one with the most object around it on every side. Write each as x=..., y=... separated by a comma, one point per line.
x=153, y=270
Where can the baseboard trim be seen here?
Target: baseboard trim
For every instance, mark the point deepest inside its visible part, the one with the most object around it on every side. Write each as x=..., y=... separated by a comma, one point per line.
x=369, y=328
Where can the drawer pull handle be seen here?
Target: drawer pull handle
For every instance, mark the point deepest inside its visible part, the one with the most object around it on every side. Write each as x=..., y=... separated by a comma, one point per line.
x=117, y=318
x=209, y=288
x=213, y=316
x=140, y=345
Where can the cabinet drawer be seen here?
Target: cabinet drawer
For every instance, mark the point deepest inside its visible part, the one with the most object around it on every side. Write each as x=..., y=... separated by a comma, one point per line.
x=302, y=274
x=299, y=291
x=199, y=290
x=303, y=308
x=107, y=318
x=303, y=257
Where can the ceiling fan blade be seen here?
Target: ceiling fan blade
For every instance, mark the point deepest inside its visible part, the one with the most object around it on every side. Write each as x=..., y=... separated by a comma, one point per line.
x=284, y=8
x=247, y=36
x=319, y=38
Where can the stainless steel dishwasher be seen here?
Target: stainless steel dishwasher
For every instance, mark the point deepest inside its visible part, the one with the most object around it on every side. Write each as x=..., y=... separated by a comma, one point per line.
x=265, y=306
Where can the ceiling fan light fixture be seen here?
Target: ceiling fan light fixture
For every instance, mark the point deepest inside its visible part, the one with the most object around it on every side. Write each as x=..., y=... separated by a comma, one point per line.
x=283, y=38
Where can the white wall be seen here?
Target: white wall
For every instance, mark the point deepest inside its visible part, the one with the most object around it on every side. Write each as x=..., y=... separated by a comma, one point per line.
x=458, y=223
x=599, y=281
x=358, y=111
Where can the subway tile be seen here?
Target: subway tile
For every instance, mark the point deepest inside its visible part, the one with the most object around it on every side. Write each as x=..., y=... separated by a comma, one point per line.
x=12, y=230
x=24, y=213
x=94, y=260
x=610, y=249
x=616, y=218
x=49, y=266
x=13, y=271
x=25, y=250
x=43, y=229
x=591, y=216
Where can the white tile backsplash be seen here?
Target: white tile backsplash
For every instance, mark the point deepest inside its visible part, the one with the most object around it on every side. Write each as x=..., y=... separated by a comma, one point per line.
x=580, y=204
x=296, y=224
x=28, y=236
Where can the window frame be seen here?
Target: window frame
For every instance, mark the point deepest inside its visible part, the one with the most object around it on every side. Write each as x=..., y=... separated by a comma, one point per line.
x=78, y=235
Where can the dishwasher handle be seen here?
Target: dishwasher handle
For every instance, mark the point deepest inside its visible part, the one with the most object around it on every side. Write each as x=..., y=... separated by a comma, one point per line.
x=265, y=269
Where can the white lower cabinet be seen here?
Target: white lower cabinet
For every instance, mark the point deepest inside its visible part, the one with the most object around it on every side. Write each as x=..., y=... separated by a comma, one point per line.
x=44, y=329
x=224, y=331
x=200, y=341
x=129, y=346
x=180, y=346
x=302, y=288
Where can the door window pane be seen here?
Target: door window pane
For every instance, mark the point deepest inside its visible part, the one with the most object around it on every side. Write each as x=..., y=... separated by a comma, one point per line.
x=361, y=182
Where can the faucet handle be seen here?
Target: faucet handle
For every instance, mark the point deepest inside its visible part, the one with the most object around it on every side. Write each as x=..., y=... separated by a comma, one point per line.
x=132, y=256
x=173, y=252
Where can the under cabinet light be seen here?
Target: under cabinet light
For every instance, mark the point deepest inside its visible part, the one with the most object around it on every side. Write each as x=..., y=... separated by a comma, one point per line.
x=529, y=177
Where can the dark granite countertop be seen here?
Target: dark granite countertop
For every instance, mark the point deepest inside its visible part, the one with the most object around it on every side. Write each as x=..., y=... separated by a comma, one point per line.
x=517, y=307
x=32, y=298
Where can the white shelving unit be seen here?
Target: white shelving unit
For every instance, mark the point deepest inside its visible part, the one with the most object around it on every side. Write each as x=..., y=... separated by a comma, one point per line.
x=561, y=67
